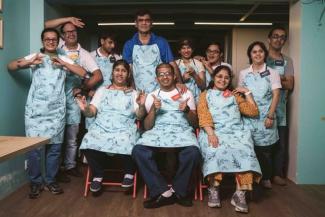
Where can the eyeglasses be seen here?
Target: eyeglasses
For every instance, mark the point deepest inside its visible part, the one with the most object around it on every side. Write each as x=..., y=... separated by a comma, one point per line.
x=213, y=51
x=164, y=74
x=48, y=40
x=281, y=37
x=70, y=32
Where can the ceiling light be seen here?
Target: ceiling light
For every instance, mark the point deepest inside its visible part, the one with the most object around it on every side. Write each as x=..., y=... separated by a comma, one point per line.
x=132, y=24
x=232, y=24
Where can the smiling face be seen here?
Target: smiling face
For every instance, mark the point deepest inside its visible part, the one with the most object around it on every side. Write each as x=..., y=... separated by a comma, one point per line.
x=186, y=52
x=257, y=55
x=70, y=35
x=50, y=42
x=120, y=75
x=166, y=78
x=143, y=23
x=222, y=80
x=213, y=54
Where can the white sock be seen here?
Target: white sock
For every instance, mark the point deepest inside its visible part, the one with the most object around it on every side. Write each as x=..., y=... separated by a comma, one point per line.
x=98, y=179
x=129, y=176
x=167, y=193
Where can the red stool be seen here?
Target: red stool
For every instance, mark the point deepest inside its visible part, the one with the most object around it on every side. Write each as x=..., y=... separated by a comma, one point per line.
x=107, y=183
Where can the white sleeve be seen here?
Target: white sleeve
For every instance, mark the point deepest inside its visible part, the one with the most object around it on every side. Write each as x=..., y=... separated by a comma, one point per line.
x=149, y=102
x=96, y=100
x=200, y=66
x=87, y=61
x=241, y=78
x=30, y=56
x=191, y=101
x=275, y=80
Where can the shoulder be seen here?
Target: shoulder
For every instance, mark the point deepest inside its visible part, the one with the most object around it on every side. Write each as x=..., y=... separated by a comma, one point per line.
x=93, y=53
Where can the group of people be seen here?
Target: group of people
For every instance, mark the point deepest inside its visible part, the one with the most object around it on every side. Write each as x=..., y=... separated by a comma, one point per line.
x=242, y=130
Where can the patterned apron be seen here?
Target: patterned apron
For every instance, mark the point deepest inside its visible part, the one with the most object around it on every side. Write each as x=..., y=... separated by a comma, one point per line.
x=260, y=85
x=171, y=129
x=235, y=152
x=45, y=108
x=114, y=130
x=145, y=60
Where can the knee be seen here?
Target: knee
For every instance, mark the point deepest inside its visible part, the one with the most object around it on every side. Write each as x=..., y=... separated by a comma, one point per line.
x=193, y=153
x=139, y=151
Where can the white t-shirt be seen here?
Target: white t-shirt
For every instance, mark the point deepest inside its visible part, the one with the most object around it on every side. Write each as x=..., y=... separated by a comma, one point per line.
x=86, y=60
x=169, y=95
x=274, y=76
x=96, y=100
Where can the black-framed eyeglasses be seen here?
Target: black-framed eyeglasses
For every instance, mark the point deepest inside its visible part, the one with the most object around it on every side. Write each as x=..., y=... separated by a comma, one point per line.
x=48, y=40
x=281, y=37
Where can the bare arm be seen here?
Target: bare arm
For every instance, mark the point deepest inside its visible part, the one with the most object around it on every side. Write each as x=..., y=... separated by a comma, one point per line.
x=74, y=68
x=94, y=79
x=177, y=72
x=287, y=82
x=199, y=79
x=270, y=116
x=22, y=63
x=60, y=21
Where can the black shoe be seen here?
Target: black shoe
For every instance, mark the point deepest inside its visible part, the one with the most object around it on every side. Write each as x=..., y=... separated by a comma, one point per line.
x=35, y=190
x=184, y=201
x=74, y=172
x=95, y=186
x=54, y=188
x=159, y=202
x=62, y=177
x=127, y=183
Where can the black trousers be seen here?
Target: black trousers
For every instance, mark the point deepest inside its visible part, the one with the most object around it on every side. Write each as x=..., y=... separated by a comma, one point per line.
x=98, y=162
x=280, y=153
x=264, y=156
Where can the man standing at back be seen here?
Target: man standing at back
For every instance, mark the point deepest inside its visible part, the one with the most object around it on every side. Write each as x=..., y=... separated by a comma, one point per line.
x=144, y=51
x=284, y=66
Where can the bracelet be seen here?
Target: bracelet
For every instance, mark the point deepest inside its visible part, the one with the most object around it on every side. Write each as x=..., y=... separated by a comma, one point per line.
x=247, y=93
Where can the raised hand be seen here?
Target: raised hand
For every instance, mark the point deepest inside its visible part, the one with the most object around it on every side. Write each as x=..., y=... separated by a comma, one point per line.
x=183, y=105
x=242, y=90
x=57, y=61
x=186, y=76
x=156, y=102
x=141, y=98
x=77, y=22
x=37, y=59
x=182, y=87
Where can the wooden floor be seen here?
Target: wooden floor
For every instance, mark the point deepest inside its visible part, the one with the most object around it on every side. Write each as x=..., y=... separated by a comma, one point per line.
x=289, y=201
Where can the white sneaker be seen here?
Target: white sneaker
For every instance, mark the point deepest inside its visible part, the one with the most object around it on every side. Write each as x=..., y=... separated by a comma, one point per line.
x=238, y=200
x=214, y=198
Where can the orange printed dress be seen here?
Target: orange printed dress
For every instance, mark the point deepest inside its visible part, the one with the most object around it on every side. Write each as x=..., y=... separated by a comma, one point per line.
x=235, y=153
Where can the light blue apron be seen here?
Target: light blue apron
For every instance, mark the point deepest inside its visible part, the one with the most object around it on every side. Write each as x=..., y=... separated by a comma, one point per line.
x=171, y=129
x=114, y=130
x=145, y=60
x=262, y=93
x=281, y=109
x=106, y=67
x=235, y=152
x=191, y=84
x=45, y=108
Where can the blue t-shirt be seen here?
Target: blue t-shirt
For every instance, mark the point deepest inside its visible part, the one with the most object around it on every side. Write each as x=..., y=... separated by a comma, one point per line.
x=166, y=54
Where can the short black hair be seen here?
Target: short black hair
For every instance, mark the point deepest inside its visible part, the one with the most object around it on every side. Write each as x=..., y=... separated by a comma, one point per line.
x=105, y=36
x=252, y=45
x=165, y=65
x=217, y=44
x=127, y=67
x=50, y=30
x=63, y=25
x=142, y=12
x=276, y=28
x=185, y=41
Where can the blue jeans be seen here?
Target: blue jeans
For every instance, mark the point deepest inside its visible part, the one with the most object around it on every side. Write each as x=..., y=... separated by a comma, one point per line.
x=71, y=146
x=52, y=160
